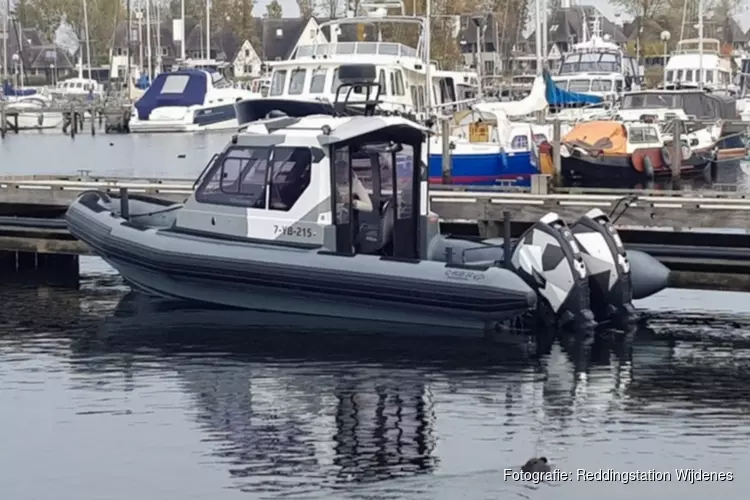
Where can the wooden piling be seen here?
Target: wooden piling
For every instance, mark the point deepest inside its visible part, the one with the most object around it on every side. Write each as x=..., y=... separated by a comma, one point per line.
x=677, y=148
x=556, y=145
x=447, y=161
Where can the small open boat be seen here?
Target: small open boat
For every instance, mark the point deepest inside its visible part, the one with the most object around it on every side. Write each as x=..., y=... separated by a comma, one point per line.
x=615, y=153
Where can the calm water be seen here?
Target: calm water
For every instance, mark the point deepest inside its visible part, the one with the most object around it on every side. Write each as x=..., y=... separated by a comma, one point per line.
x=179, y=156
x=104, y=395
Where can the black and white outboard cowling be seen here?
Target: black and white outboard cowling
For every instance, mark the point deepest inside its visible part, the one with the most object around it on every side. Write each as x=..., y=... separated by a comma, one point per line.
x=549, y=260
x=608, y=267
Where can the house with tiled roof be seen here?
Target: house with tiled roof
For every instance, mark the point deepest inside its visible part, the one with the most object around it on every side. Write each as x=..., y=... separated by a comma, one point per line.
x=29, y=50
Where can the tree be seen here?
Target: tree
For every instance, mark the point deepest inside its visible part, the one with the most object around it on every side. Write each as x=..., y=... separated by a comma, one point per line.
x=274, y=10
x=306, y=10
x=329, y=8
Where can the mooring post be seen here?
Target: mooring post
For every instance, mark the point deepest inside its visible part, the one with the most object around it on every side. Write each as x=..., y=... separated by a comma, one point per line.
x=556, y=145
x=447, y=163
x=124, y=205
x=92, y=111
x=677, y=152
x=3, y=120
x=506, y=239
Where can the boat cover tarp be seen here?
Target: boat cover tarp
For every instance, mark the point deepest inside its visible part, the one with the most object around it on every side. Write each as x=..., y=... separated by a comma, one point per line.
x=175, y=94
x=557, y=97
x=10, y=91
x=606, y=136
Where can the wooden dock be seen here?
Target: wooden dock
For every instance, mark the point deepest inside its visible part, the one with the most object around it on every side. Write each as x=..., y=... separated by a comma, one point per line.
x=645, y=208
x=112, y=116
x=32, y=207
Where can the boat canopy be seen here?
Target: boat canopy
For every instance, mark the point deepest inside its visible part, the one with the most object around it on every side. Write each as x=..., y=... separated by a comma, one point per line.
x=606, y=136
x=557, y=97
x=10, y=91
x=697, y=103
x=175, y=89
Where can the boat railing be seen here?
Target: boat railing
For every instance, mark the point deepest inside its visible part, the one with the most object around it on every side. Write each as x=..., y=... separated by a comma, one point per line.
x=693, y=46
x=354, y=48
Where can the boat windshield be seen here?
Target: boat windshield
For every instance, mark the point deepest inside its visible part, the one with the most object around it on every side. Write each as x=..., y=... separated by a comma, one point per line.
x=607, y=62
x=243, y=175
x=649, y=101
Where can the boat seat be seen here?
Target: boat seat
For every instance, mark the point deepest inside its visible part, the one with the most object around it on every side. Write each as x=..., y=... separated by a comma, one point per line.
x=375, y=229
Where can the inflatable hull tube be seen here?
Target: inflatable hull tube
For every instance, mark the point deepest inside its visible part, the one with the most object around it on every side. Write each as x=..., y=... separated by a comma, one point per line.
x=549, y=260
x=648, y=275
x=607, y=264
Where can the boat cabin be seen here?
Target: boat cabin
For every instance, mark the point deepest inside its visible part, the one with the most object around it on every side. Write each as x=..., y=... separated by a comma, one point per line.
x=344, y=184
x=693, y=103
x=690, y=59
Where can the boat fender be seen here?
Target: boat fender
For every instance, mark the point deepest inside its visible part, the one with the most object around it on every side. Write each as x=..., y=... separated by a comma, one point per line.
x=607, y=265
x=666, y=155
x=548, y=259
x=648, y=167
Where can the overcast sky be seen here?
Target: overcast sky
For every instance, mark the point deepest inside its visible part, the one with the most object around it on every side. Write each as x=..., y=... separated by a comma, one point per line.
x=743, y=15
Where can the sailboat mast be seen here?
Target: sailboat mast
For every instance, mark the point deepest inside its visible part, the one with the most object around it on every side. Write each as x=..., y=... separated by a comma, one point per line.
x=86, y=30
x=5, y=39
x=538, y=35
x=182, y=43
x=545, y=31
x=158, y=39
x=700, y=44
x=208, y=29
x=427, y=47
x=149, y=57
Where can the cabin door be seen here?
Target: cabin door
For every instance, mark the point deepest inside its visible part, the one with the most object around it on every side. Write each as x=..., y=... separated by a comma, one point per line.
x=341, y=195
x=406, y=203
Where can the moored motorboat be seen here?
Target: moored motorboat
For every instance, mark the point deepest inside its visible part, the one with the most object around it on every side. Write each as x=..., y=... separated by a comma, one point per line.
x=328, y=215
x=616, y=154
x=188, y=100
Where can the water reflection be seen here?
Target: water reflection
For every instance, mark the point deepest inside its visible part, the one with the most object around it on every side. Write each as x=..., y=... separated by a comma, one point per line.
x=268, y=410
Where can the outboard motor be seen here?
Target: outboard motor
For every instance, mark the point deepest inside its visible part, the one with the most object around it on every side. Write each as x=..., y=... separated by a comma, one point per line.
x=608, y=266
x=548, y=259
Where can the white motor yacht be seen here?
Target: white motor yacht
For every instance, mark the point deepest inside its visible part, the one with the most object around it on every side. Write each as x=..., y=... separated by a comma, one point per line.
x=188, y=100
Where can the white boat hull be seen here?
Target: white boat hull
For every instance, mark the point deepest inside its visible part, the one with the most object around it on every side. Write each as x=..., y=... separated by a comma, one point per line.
x=151, y=126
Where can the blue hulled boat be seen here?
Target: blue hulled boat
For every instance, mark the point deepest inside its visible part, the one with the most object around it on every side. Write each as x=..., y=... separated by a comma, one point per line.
x=508, y=152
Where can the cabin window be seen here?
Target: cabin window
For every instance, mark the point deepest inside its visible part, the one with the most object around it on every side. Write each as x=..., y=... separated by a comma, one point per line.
x=420, y=94
x=318, y=81
x=670, y=75
x=278, y=82
x=399, y=83
x=238, y=178
x=618, y=86
x=601, y=86
x=579, y=85
x=290, y=176
x=642, y=135
x=335, y=82
x=175, y=84
x=297, y=81
x=679, y=75
x=710, y=76
x=414, y=98
x=382, y=82
x=689, y=75
x=393, y=85
x=520, y=142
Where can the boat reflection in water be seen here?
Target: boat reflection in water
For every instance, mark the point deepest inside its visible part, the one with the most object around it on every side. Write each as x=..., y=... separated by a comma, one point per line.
x=306, y=415
x=287, y=401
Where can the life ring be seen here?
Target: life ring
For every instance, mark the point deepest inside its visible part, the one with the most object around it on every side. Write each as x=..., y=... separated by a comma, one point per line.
x=666, y=155
x=648, y=167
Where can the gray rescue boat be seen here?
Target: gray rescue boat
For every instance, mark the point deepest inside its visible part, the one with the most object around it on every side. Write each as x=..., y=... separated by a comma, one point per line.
x=328, y=215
